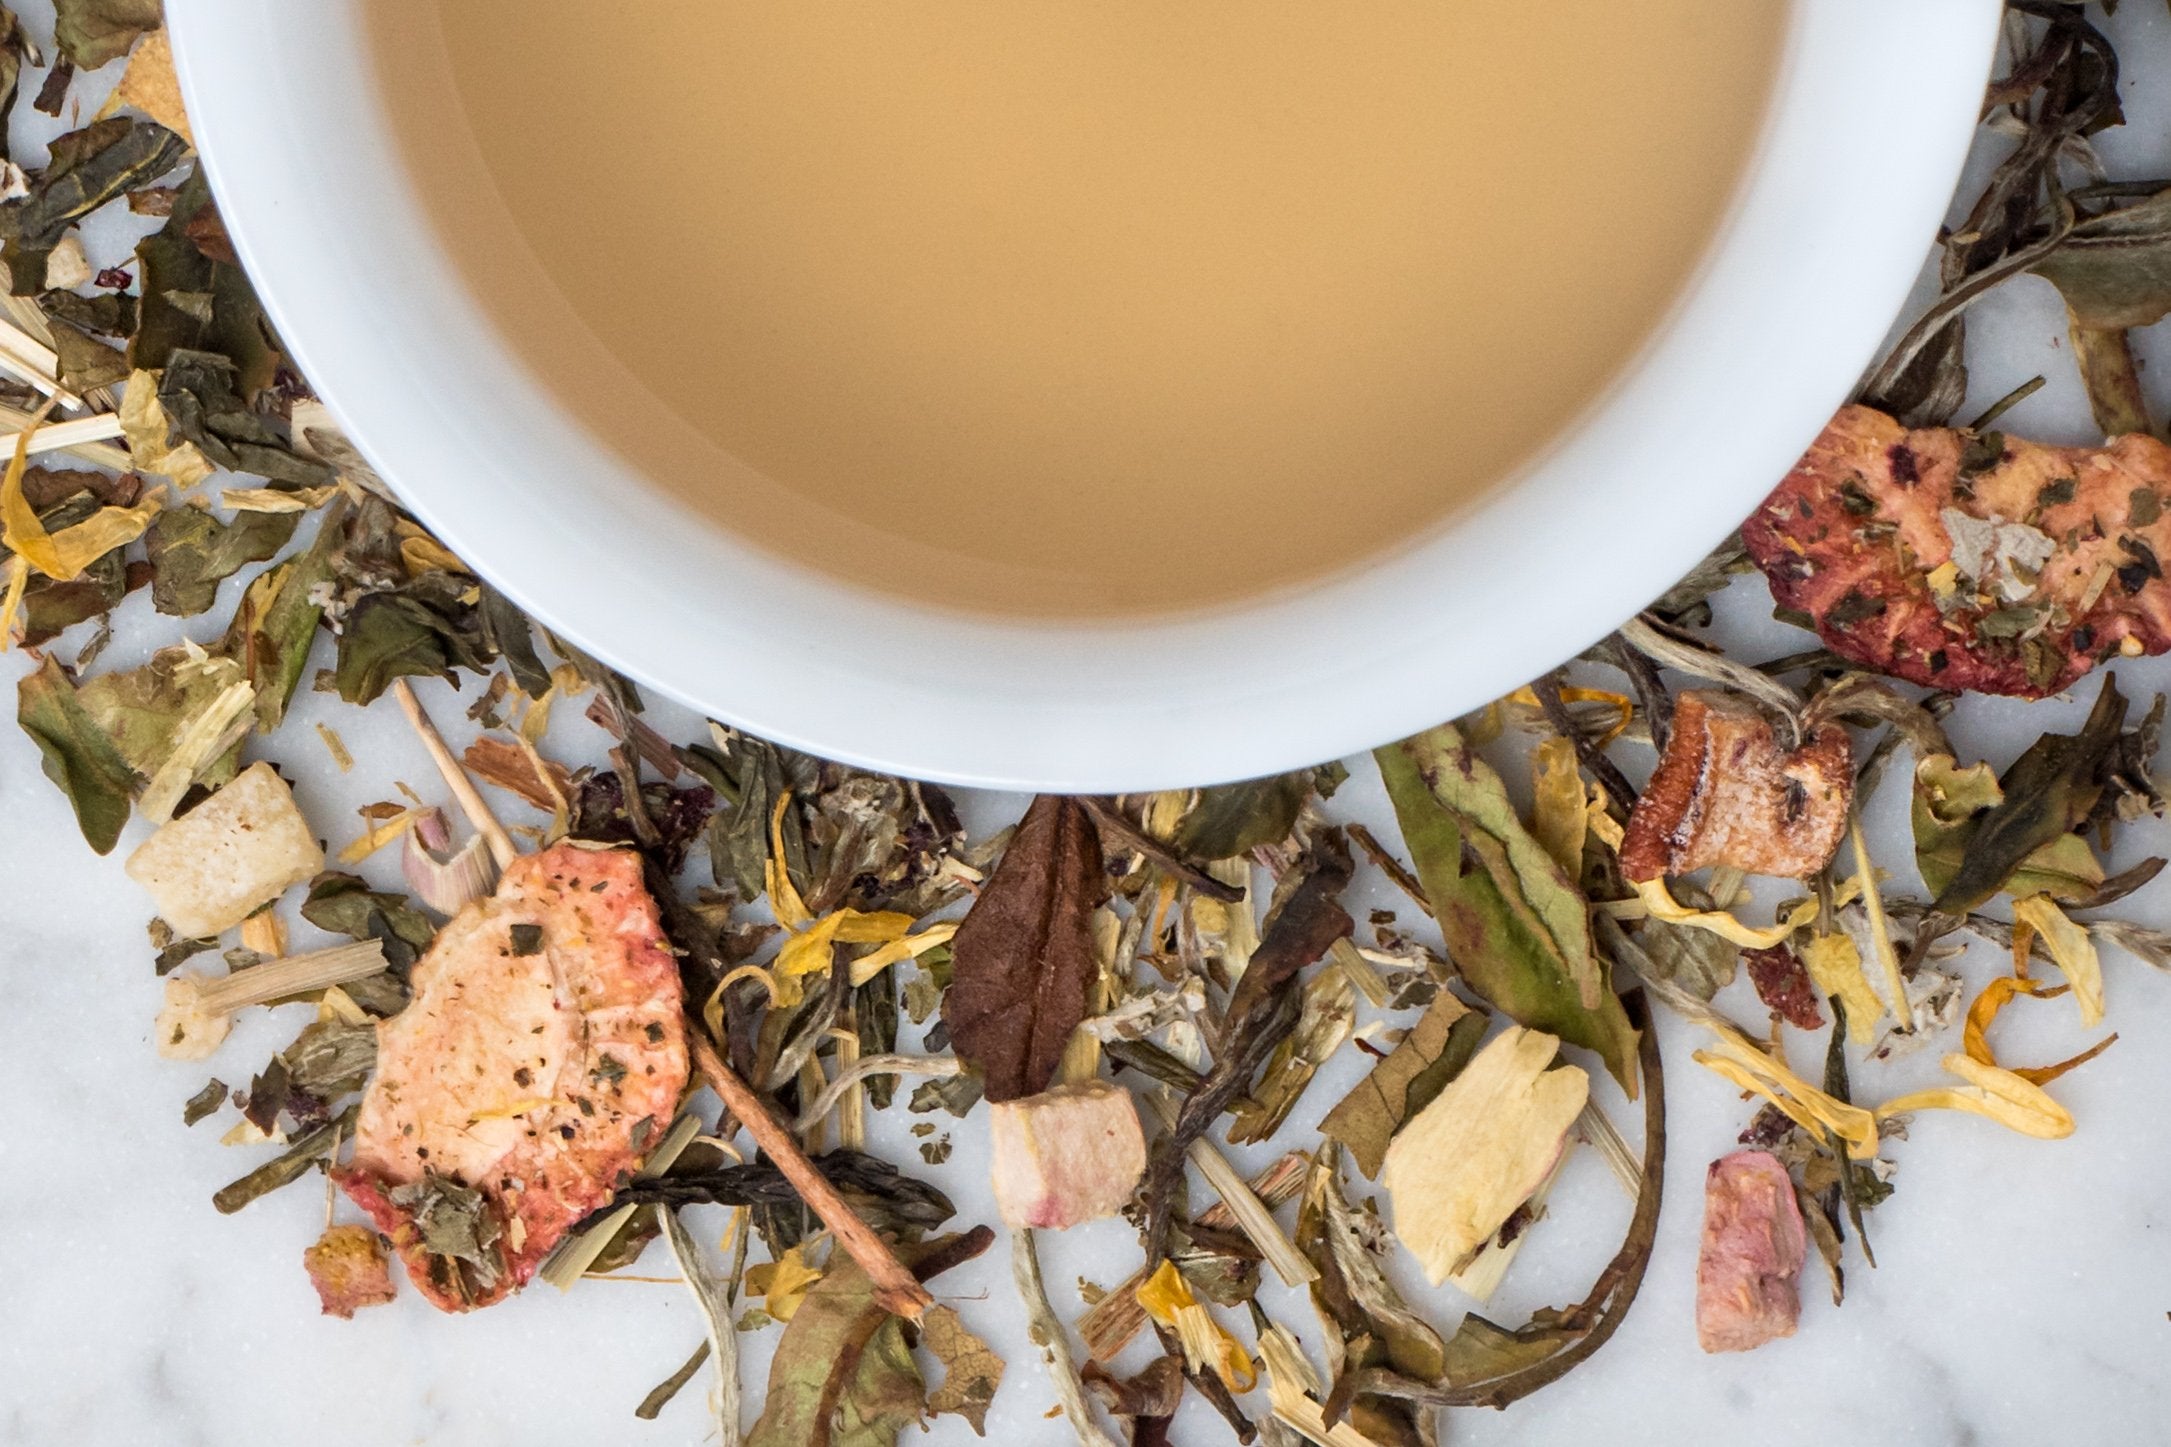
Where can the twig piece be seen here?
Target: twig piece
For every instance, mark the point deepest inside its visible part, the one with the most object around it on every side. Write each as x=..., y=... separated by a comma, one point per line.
x=1245, y=1207
x=471, y=804
x=896, y=1288
x=1390, y=866
x=55, y=436
x=1132, y=838
x=1054, y=1346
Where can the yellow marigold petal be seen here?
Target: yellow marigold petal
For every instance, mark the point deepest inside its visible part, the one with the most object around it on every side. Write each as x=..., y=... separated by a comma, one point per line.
x=1991, y=1092
x=1660, y=902
x=1735, y=1059
x=1167, y=1298
x=1835, y=965
x=2071, y=947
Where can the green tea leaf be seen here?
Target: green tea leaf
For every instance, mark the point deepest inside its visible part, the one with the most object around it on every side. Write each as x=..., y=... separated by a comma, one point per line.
x=2114, y=270
x=1516, y=928
x=79, y=756
x=1351, y=1290
x=387, y=636
x=93, y=32
x=192, y=552
x=195, y=298
x=90, y=167
x=1232, y=819
x=1998, y=828
x=142, y=709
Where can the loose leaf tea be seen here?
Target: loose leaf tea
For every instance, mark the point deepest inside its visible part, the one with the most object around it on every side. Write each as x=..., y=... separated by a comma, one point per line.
x=1023, y=960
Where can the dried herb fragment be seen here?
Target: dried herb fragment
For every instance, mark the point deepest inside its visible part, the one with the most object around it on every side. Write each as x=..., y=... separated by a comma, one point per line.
x=192, y=552
x=843, y=1375
x=287, y=1167
x=79, y=756
x=971, y=1372
x=92, y=32
x=1516, y=927
x=204, y=1102
x=1023, y=959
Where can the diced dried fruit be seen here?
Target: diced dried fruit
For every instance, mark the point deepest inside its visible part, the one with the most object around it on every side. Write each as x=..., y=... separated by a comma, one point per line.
x=1971, y=562
x=1754, y=1246
x=349, y=1269
x=1467, y=1160
x=533, y=1078
x=239, y=849
x=1784, y=986
x=1726, y=792
x=1067, y=1155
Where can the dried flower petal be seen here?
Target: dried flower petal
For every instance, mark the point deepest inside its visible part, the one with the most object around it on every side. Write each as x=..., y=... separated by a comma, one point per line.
x=2070, y=946
x=1994, y=1093
x=1726, y=792
x=1808, y=1107
x=1207, y=1345
x=1754, y=1244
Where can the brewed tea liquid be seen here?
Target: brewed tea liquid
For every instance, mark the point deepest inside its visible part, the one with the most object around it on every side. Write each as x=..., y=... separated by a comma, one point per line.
x=1079, y=306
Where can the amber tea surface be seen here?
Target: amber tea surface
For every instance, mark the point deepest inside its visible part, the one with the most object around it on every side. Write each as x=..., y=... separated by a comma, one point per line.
x=1078, y=308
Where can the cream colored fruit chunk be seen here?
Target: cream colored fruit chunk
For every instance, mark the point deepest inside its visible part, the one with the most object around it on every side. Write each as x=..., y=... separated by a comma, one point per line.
x=239, y=849
x=1067, y=1155
x=1479, y=1150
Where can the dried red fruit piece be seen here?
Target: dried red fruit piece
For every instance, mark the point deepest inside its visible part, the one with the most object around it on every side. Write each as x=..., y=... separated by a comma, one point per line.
x=543, y=1051
x=1726, y=792
x=1978, y=563
x=1753, y=1248
x=1783, y=984
x=349, y=1269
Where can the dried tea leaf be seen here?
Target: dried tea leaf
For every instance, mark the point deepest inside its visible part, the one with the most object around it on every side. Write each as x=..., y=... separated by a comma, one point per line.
x=1434, y=1051
x=1516, y=927
x=79, y=756
x=204, y=1102
x=1233, y=819
x=970, y=1369
x=1352, y=1292
x=90, y=167
x=1480, y=1149
x=92, y=32
x=2048, y=791
x=1699, y=961
x=1324, y=1021
x=192, y=552
x=344, y=904
x=2114, y=270
x=1023, y=959
x=843, y=1375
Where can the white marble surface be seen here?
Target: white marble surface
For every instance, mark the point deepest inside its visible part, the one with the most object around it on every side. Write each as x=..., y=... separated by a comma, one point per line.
x=2022, y=1293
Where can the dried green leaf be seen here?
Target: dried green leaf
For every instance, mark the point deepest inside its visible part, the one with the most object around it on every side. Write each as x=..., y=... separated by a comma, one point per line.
x=79, y=756
x=1352, y=1292
x=194, y=299
x=1024, y=959
x=86, y=362
x=387, y=636
x=289, y=1166
x=1516, y=928
x=1698, y=960
x=2114, y=270
x=345, y=904
x=843, y=1375
x=93, y=32
x=192, y=552
x=89, y=167
x=1233, y=819
x=204, y=1102
x=1997, y=829
x=143, y=709
x=1433, y=1053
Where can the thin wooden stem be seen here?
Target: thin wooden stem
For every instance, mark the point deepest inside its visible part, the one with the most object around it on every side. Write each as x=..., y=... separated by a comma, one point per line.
x=478, y=813
x=896, y=1288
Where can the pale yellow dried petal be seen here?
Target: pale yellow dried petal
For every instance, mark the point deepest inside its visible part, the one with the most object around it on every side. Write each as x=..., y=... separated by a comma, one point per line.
x=1733, y=1057
x=1993, y=1092
x=1661, y=904
x=1558, y=816
x=1835, y=965
x=2070, y=945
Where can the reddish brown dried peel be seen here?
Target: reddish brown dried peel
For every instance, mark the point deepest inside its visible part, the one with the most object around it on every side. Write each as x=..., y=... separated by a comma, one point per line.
x=1727, y=792
x=2052, y=552
x=543, y=1051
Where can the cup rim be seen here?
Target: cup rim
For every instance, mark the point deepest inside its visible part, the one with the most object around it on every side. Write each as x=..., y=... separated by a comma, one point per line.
x=1870, y=119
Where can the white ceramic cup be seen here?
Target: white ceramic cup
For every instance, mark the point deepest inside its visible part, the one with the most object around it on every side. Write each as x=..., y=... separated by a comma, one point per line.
x=1874, y=107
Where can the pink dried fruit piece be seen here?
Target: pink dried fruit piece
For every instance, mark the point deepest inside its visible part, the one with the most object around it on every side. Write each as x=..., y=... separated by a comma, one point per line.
x=1967, y=562
x=348, y=1268
x=1753, y=1248
x=543, y=1052
x=1065, y=1156
x=1728, y=792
